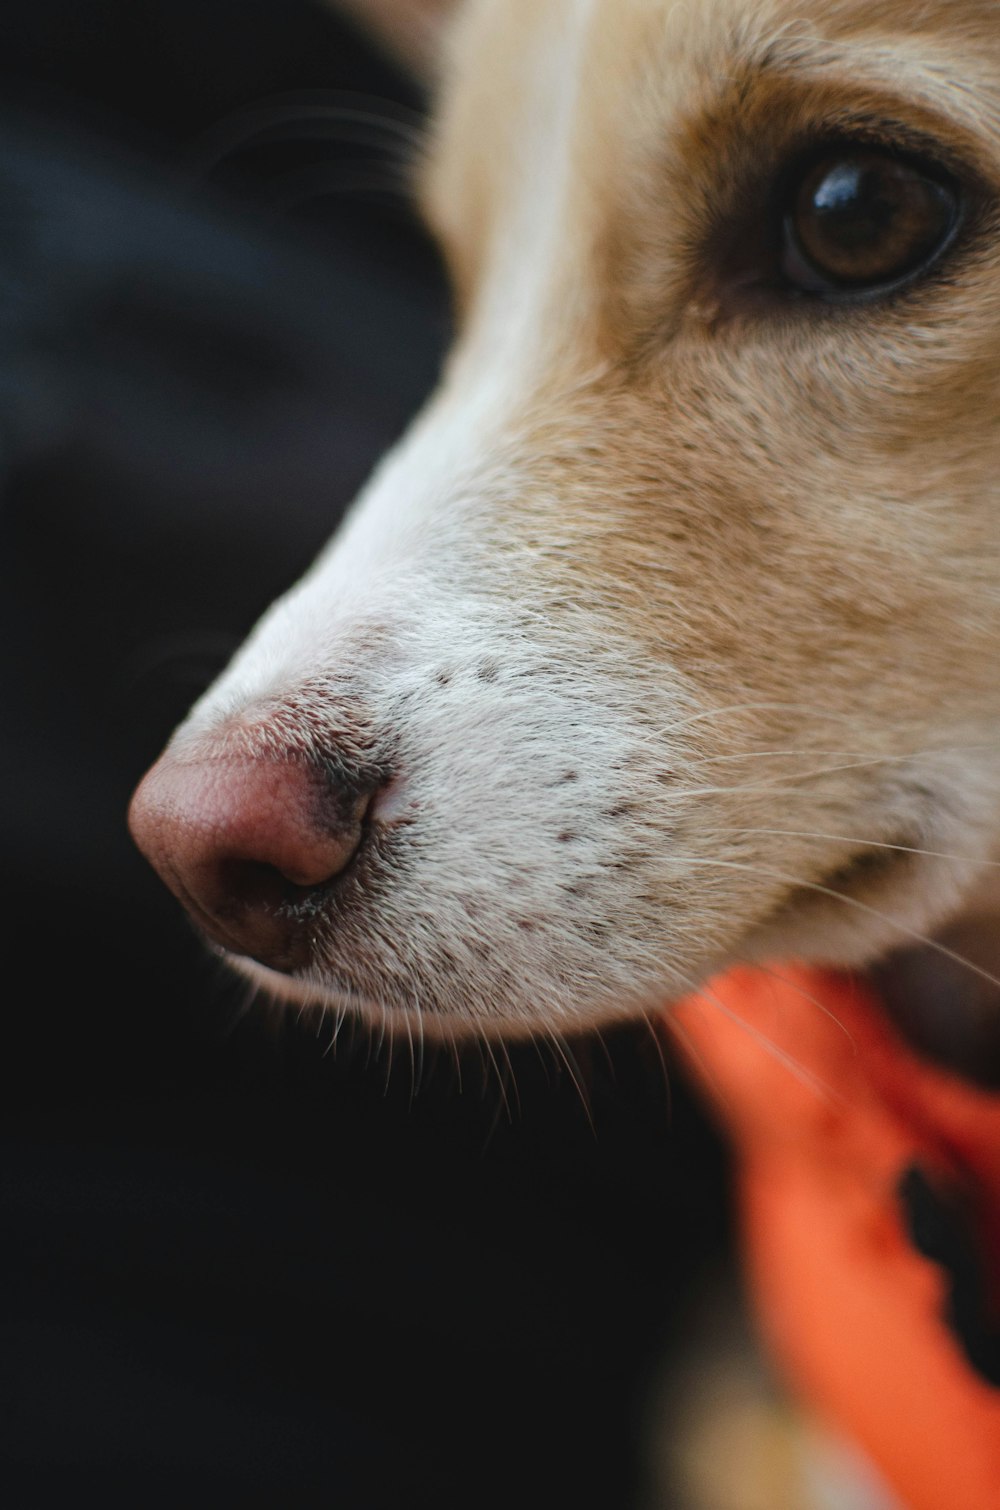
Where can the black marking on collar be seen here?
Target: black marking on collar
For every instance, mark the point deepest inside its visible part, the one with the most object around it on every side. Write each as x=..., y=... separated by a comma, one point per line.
x=940, y=1225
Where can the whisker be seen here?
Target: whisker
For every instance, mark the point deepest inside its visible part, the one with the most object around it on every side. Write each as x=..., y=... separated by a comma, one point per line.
x=545, y=1062
x=386, y=1027
x=650, y=1024
x=807, y=996
x=704, y=994
x=413, y=1062
x=487, y=1048
x=811, y=710
x=839, y=896
x=511, y=1077
x=781, y=779
x=801, y=754
x=457, y=1056
x=906, y=849
x=598, y=1038
x=421, y=1047
x=502, y=1104
x=340, y=1017
x=566, y=1058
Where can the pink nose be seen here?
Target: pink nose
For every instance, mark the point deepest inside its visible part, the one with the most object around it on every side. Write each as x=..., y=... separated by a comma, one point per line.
x=248, y=844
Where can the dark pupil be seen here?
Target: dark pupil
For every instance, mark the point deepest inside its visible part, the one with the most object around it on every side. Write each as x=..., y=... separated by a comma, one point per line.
x=868, y=219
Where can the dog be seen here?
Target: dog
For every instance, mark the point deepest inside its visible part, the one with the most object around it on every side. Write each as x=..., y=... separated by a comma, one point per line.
x=666, y=638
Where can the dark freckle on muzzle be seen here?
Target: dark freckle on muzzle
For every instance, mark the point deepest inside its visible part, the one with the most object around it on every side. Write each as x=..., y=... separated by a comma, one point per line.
x=255, y=845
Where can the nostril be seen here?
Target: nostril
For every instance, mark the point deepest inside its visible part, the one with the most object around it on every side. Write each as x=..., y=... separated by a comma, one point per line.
x=282, y=856
x=257, y=884
x=251, y=908
x=254, y=883
x=251, y=846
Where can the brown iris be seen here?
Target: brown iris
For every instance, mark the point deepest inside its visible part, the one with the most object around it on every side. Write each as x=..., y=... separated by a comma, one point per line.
x=865, y=220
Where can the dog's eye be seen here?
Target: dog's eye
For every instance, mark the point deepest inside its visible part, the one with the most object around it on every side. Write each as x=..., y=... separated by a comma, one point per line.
x=862, y=221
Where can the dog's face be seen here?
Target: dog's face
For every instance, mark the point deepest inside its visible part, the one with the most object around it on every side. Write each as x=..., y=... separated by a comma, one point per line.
x=670, y=629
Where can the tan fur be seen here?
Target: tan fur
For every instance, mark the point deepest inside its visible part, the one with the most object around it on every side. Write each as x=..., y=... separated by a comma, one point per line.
x=752, y=546
x=799, y=511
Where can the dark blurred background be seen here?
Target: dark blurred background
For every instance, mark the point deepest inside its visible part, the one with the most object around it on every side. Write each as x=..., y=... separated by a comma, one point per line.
x=242, y=1266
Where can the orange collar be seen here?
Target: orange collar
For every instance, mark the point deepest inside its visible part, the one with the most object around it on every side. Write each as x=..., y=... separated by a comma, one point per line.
x=870, y=1187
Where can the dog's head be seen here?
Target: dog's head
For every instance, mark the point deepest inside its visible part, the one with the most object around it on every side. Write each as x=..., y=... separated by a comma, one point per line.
x=669, y=632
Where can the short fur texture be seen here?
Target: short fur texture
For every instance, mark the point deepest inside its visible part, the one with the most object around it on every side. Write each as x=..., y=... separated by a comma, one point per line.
x=678, y=608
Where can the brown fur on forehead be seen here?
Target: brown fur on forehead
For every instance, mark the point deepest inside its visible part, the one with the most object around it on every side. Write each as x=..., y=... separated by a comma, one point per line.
x=640, y=55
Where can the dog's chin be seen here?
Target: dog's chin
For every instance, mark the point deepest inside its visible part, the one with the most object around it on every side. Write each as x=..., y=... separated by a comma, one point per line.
x=393, y=1016
x=882, y=907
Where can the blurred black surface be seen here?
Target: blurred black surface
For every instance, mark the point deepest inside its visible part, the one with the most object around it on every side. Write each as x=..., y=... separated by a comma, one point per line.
x=240, y=1267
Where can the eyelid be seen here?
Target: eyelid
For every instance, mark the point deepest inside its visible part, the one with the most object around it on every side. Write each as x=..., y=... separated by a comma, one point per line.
x=897, y=138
